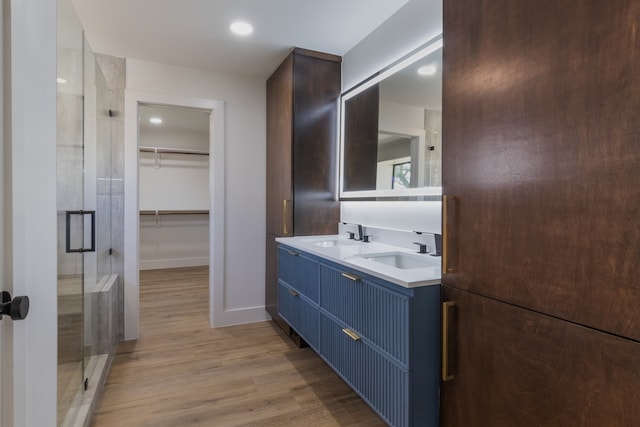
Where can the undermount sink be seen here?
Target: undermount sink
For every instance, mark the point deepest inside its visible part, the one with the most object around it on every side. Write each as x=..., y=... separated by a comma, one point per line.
x=402, y=260
x=329, y=243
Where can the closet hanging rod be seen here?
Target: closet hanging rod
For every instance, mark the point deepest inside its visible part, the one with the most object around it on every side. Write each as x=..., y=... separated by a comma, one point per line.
x=171, y=212
x=172, y=150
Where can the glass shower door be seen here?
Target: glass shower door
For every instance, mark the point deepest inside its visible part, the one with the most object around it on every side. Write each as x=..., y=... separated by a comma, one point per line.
x=97, y=198
x=70, y=204
x=76, y=218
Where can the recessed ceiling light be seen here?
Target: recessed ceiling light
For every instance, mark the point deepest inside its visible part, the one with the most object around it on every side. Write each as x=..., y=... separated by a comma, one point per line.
x=427, y=70
x=241, y=28
x=61, y=80
x=155, y=120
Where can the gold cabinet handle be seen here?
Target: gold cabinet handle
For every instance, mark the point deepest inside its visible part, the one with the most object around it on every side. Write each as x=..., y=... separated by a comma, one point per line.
x=293, y=293
x=284, y=216
x=351, y=334
x=446, y=376
x=351, y=277
x=446, y=244
x=292, y=253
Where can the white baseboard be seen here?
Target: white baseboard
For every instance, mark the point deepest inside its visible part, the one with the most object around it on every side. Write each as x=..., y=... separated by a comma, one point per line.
x=239, y=317
x=156, y=264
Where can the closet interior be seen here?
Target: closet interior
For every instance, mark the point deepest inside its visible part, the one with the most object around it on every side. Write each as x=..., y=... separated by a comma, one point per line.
x=174, y=187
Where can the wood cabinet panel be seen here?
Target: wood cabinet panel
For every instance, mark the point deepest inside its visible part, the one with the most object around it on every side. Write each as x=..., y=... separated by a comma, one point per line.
x=542, y=152
x=515, y=367
x=271, y=277
x=302, y=102
x=279, y=149
x=315, y=156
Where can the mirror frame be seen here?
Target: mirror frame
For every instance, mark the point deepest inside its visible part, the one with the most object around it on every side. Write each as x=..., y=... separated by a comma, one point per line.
x=420, y=193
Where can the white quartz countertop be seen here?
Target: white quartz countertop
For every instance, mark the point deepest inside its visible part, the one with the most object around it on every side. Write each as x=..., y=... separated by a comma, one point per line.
x=424, y=269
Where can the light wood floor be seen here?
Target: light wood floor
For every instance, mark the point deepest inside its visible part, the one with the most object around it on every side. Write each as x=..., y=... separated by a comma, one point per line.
x=180, y=372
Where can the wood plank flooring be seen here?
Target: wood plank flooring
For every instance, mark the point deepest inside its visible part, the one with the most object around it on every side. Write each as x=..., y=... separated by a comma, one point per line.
x=180, y=372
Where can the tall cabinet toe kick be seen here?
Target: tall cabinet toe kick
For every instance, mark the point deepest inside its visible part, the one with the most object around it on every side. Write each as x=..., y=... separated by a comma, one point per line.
x=381, y=338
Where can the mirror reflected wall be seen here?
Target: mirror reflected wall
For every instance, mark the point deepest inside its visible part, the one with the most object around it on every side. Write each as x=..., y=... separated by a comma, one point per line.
x=391, y=140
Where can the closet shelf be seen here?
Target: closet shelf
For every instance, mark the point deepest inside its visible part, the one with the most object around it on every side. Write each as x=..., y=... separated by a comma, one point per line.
x=172, y=150
x=175, y=212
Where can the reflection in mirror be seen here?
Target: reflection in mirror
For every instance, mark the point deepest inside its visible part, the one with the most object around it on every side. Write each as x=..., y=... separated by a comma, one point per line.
x=391, y=129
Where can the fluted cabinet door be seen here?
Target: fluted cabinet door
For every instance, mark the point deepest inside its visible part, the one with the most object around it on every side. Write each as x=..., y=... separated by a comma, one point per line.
x=299, y=271
x=370, y=309
x=382, y=383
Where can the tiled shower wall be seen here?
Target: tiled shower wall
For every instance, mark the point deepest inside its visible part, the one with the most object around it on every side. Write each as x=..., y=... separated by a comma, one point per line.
x=113, y=69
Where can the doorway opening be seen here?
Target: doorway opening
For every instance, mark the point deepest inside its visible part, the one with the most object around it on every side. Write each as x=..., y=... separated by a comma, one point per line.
x=173, y=195
x=182, y=177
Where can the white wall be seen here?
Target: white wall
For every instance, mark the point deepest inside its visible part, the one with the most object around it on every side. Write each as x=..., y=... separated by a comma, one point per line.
x=242, y=290
x=413, y=25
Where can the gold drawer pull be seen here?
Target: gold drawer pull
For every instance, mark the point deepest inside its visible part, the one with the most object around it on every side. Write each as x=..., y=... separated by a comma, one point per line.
x=351, y=334
x=284, y=217
x=293, y=253
x=446, y=306
x=293, y=293
x=351, y=277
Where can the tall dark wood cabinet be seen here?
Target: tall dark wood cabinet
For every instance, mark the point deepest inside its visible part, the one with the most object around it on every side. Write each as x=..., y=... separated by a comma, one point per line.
x=541, y=166
x=302, y=156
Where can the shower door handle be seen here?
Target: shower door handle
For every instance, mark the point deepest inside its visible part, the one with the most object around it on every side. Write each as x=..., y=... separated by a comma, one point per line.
x=93, y=232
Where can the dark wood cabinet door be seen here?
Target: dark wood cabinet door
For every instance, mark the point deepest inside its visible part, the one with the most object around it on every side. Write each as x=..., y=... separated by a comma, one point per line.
x=271, y=285
x=315, y=155
x=279, y=150
x=541, y=128
x=514, y=367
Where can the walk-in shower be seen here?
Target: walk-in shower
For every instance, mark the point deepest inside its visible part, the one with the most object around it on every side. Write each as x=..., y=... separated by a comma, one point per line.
x=89, y=209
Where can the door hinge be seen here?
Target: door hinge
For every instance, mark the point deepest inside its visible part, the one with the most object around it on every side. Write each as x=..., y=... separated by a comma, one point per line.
x=110, y=251
x=86, y=384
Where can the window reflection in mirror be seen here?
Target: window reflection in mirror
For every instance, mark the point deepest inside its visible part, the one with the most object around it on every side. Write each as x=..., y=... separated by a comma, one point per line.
x=391, y=129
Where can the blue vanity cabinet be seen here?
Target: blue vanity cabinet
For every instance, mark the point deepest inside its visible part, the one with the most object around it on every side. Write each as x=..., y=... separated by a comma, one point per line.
x=381, y=338
x=298, y=293
x=384, y=340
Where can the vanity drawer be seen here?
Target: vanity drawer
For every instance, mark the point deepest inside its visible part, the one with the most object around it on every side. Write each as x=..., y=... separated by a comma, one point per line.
x=373, y=311
x=383, y=383
x=299, y=271
x=301, y=314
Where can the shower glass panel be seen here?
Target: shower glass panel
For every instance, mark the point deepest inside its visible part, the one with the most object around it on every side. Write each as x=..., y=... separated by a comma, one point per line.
x=70, y=201
x=84, y=216
x=97, y=198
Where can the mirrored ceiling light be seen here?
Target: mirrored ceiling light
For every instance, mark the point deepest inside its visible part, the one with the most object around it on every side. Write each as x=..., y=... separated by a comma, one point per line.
x=427, y=70
x=241, y=28
x=155, y=120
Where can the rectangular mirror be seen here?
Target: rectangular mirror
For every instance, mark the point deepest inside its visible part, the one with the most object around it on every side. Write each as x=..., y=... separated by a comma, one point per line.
x=391, y=139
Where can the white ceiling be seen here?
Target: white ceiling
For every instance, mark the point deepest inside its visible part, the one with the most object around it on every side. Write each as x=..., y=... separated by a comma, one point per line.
x=195, y=33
